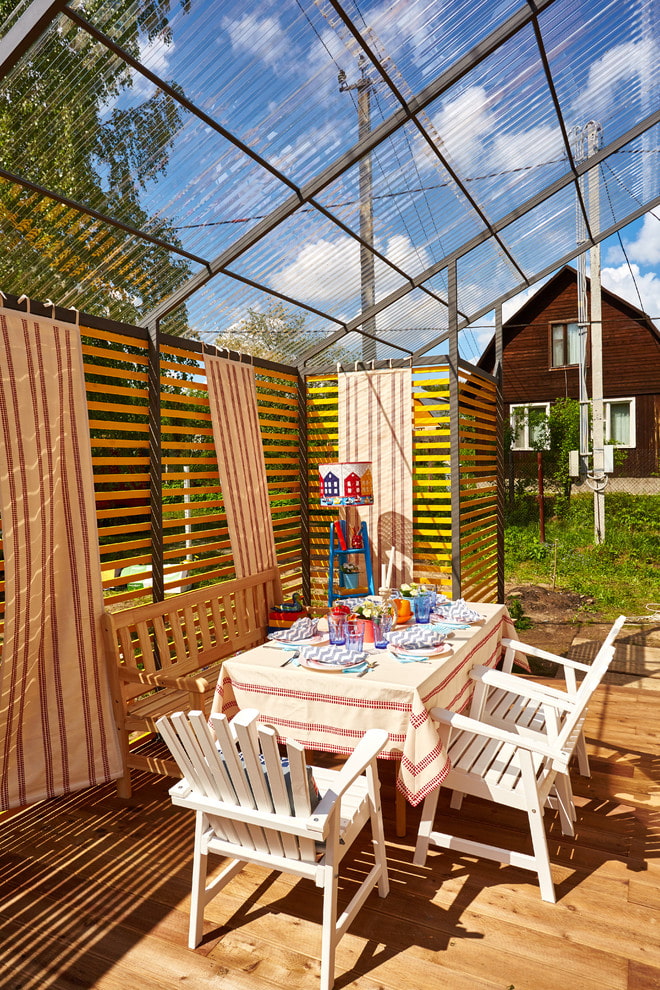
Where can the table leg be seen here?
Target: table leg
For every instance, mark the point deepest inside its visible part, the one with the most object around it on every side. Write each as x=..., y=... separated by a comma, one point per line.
x=399, y=812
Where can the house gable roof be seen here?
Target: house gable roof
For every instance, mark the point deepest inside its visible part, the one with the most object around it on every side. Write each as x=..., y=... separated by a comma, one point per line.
x=542, y=298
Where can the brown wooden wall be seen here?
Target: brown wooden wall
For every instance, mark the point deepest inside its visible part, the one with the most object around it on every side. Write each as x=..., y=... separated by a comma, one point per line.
x=631, y=354
x=631, y=365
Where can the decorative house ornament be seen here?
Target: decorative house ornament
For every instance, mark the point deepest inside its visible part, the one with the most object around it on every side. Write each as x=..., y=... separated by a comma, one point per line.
x=346, y=483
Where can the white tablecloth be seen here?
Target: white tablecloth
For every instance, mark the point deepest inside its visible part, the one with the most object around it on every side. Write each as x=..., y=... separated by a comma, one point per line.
x=331, y=711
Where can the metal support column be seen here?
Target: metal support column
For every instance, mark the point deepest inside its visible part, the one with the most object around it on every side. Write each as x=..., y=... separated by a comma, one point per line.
x=499, y=413
x=454, y=431
x=155, y=466
x=303, y=481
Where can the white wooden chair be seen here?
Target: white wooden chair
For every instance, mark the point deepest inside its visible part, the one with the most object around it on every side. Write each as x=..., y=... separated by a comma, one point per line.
x=499, y=700
x=247, y=810
x=520, y=764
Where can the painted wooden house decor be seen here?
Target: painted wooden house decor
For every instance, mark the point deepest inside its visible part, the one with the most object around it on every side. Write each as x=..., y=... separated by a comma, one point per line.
x=346, y=483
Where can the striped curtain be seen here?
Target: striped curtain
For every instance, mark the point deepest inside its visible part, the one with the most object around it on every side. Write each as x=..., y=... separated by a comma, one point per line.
x=241, y=464
x=57, y=732
x=375, y=424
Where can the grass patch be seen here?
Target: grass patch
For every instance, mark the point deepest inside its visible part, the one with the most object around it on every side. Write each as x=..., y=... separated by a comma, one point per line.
x=620, y=575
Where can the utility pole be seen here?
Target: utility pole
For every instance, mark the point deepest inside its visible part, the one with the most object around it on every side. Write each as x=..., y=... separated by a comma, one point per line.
x=599, y=478
x=586, y=142
x=367, y=268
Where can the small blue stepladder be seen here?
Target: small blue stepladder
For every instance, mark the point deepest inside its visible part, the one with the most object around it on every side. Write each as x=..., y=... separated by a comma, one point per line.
x=341, y=551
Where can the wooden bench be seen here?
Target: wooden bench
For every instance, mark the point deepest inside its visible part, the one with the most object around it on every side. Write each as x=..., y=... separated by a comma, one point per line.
x=165, y=656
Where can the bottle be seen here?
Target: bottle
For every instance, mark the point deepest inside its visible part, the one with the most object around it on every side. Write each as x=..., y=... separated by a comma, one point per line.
x=387, y=610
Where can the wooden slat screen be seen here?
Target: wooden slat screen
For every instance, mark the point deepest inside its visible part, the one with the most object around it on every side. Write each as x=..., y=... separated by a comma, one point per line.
x=432, y=480
x=196, y=548
x=116, y=376
x=478, y=481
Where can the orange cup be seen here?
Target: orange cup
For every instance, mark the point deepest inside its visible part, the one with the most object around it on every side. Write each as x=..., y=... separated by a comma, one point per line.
x=403, y=611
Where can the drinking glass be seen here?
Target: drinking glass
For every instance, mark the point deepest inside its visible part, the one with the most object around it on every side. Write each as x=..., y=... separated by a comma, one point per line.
x=422, y=606
x=337, y=628
x=354, y=634
x=382, y=625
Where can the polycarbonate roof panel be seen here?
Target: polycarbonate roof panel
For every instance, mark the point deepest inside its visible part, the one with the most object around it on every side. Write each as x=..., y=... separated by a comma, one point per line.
x=271, y=131
x=419, y=213
x=309, y=256
x=604, y=61
x=437, y=33
x=544, y=234
x=268, y=72
x=478, y=271
x=499, y=130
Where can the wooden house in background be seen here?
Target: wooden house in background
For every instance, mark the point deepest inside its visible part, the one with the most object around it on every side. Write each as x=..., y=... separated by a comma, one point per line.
x=540, y=365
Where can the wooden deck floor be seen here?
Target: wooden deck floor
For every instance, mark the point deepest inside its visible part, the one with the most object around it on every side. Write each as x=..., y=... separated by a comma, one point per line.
x=95, y=894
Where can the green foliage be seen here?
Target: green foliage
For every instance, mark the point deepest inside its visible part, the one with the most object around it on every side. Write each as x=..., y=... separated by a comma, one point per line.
x=87, y=143
x=620, y=575
x=275, y=334
x=517, y=613
x=555, y=436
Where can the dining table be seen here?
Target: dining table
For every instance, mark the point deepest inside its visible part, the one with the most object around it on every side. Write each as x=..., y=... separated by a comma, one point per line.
x=330, y=710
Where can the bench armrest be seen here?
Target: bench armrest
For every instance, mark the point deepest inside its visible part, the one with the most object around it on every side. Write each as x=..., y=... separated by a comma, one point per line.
x=186, y=682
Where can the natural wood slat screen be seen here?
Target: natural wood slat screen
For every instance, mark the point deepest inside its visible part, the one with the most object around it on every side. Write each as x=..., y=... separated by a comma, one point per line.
x=196, y=546
x=476, y=474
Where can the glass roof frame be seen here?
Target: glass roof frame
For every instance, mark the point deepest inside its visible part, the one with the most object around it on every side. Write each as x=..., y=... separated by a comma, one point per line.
x=421, y=110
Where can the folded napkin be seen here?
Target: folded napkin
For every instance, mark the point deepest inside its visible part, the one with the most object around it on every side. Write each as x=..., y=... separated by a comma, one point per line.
x=303, y=628
x=446, y=628
x=457, y=611
x=415, y=638
x=334, y=656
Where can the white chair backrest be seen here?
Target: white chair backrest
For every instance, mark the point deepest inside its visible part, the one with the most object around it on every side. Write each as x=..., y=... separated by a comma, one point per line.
x=244, y=770
x=590, y=682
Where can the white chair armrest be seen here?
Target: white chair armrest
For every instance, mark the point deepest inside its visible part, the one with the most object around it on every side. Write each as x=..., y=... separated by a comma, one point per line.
x=366, y=750
x=536, y=743
x=534, y=651
x=523, y=687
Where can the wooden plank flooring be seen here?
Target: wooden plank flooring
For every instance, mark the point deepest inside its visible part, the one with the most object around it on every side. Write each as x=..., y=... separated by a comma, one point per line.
x=95, y=893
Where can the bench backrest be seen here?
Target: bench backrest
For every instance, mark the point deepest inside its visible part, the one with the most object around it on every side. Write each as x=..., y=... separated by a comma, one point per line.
x=190, y=631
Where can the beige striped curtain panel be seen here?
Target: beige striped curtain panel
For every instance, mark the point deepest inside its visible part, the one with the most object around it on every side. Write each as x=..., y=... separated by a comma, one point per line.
x=375, y=424
x=241, y=464
x=57, y=732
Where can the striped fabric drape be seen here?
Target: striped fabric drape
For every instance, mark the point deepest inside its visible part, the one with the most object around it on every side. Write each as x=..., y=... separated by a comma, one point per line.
x=241, y=464
x=375, y=424
x=57, y=732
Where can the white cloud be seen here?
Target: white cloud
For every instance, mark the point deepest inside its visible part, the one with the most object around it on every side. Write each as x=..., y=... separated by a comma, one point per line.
x=646, y=246
x=622, y=64
x=326, y=273
x=622, y=281
x=260, y=37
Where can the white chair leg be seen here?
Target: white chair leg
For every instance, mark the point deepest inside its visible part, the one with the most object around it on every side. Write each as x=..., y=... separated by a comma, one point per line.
x=565, y=803
x=541, y=855
x=198, y=891
x=377, y=831
x=583, y=758
x=426, y=827
x=329, y=931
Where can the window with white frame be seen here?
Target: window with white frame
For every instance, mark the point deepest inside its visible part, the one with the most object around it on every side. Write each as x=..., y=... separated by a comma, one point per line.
x=620, y=422
x=565, y=344
x=529, y=425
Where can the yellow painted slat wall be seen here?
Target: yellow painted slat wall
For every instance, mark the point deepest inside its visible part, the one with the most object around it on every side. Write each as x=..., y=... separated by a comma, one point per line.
x=432, y=521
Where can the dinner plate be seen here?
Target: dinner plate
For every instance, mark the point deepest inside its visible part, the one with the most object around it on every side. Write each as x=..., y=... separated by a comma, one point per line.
x=433, y=651
x=328, y=668
x=319, y=640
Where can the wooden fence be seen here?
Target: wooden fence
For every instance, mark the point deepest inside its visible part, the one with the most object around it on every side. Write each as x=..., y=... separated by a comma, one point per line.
x=160, y=507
